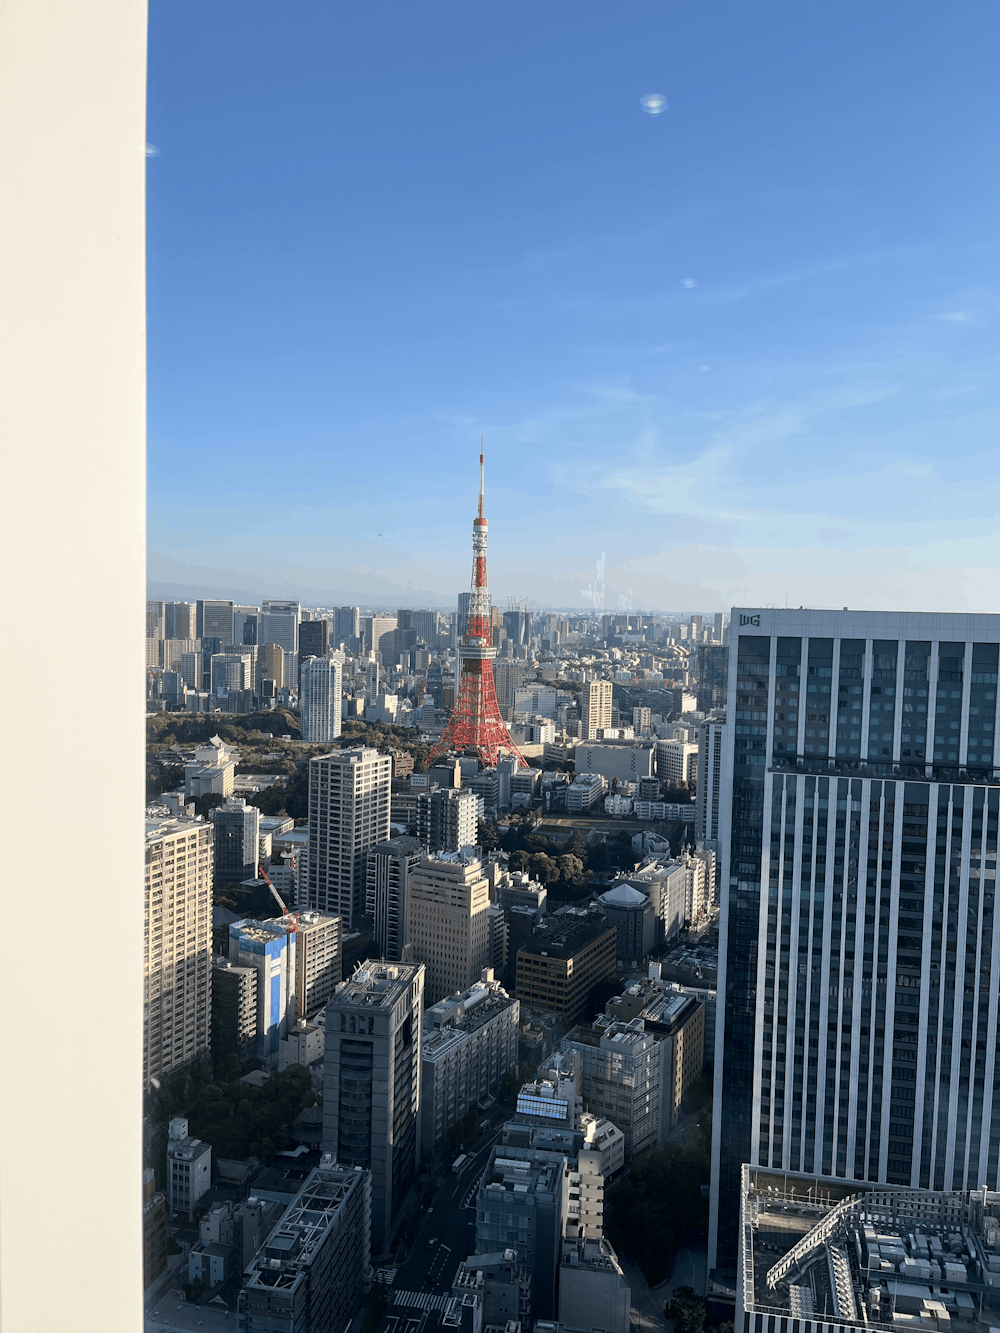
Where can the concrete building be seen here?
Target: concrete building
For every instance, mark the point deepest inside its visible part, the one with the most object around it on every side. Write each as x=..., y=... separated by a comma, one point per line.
x=502, y=1283
x=317, y=961
x=387, y=875
x=626, y=761
x=584, y=792
x=448, y=921
x=180, y=621
x=304, y=1045
x=447, y=820
x=177, y=970
x=234, y=1009
x=595, y=708
x=858, y=831
x=604, y=1138
x=677, y=1021
x=867, y=1255
x=213, y=620
x=319, y=698
x=562, y=962
x=676, y=761
x=314, y=641
x=189, y=1168
x=535, y=700
x=593, y=1292
x=711, y=741
x=314, y=1267
x=235, y=841
x=631, y=913
x=371, y=1083
x=271, y=664
x=469, y=1046
x=348, y=815
x=154, y=1229
x=523, y=1194
x=666, y=880
x=229, y=671
x=268, y=947
x=211, y=772
x=278, y=623
x=622, y=1079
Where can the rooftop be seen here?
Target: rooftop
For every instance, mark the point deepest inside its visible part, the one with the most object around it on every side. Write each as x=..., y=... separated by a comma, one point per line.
x=293, y=1243
x=870, y=1256
x=376, y=983
x=623, y=895
x=570, y=933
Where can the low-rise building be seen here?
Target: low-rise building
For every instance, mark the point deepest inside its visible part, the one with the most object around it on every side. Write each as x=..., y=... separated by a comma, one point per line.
x=631, y=912
x=584, y=792
x=628, y=760
x=304, y=1045
x=593, y=1292
x=563, y=960
x=189, y=1168
x=315, y=1265
x=211, y=772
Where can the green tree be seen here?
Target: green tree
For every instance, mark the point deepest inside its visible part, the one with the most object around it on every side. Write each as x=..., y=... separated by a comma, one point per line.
x=648, y=1210
x=489, y=835
x=376, y=1308
x=571, y=869
x=688, y=1311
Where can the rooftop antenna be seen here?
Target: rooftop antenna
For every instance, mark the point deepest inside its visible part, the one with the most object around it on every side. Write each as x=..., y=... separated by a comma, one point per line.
x=482, y=440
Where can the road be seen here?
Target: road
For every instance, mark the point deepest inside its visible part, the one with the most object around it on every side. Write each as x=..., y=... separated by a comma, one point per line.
x=172, y=1314
x=450, y=1220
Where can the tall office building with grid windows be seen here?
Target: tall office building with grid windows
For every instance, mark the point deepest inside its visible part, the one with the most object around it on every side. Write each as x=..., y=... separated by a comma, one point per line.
x=859, y=947
x=348, y=815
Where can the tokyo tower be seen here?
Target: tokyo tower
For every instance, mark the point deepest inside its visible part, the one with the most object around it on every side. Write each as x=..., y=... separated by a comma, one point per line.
x=476, y=723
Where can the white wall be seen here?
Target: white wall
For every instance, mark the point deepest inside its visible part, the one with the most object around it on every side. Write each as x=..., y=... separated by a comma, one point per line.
x=72, y=422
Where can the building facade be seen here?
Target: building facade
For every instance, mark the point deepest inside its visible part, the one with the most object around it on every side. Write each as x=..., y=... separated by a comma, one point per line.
x=236, y=841
x=447, y=820
x=857, y=1036
x=177, y=971
x=319, y=698
x=448, y=921
x=595, y=708
x=469, y=1045
x=268, y=948
x=234, y=1009
x=349, y=792
x=314, y=1268
x=189, y=1168
x=387, y=875
x=371, y=1083
x=317, y=961
x=559, y=965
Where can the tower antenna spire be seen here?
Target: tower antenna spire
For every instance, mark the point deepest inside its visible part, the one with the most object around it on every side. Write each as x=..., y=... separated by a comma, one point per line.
x=476, y=722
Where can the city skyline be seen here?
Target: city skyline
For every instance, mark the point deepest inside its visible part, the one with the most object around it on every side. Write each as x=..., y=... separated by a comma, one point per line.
x=740, y=352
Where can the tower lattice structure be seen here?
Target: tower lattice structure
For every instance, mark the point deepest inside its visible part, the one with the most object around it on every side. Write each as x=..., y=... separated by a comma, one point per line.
x=476, y=722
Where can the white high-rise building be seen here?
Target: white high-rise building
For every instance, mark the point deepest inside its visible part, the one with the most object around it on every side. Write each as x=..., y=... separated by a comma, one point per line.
x=319, y=699
x=595, y=708
x=859, y=941
x=178, y=943
x=349, y=794
x=711, y=736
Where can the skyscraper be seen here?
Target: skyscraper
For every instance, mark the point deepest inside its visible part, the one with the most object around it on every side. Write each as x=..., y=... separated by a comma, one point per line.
x=319, y=700
x=371, y=1084
x=314, y=640
x=859, y=943
x=447, y=820
x=177, y=1000
x=279, y=623
x=269, y=948
x=213, y=620
x=595, y=708
x=236, y=839
x=387, y=877
x=448, y=921
x=349, y=794
x=180, y=620
x=347, y=623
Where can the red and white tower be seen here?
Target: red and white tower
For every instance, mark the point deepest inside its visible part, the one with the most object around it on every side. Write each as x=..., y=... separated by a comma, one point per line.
x=476, y=723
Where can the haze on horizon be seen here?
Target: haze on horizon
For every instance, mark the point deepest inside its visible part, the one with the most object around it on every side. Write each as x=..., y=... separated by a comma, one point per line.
x=745, y=351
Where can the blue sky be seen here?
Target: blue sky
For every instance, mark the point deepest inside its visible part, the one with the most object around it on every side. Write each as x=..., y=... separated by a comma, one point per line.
x=745, y=350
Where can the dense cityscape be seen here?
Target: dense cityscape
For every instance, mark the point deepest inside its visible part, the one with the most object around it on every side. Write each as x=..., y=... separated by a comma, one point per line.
x=439, y=906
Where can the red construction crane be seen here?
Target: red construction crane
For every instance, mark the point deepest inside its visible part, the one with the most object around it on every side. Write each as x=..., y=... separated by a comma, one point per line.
x=292, y=916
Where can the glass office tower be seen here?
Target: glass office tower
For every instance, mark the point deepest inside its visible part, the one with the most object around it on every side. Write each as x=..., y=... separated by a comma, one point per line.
x=858, y=977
